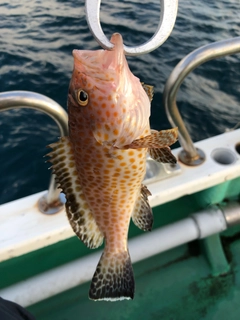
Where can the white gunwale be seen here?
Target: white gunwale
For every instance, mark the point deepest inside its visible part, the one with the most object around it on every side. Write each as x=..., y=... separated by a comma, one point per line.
x=23, y=228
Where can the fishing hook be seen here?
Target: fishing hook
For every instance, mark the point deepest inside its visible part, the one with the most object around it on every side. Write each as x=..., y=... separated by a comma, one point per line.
x=167, y=20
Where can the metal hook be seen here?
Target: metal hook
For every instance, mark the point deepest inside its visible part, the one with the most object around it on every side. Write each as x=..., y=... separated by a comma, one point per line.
x=164, y=29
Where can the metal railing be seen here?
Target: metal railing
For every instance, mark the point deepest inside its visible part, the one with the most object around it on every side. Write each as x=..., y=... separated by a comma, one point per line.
x=190, y=155
x=51, y=202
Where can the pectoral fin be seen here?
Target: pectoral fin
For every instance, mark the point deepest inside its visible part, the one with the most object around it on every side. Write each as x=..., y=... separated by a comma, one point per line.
x=78, y=211
x=142, y=214
x=157, y=139
x=158, y=143
x=163, y=155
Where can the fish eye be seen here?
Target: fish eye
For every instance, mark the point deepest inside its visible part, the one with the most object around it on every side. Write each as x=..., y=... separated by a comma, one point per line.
x=82, y=97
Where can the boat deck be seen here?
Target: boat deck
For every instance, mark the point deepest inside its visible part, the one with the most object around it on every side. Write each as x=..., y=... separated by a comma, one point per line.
x=175, y=285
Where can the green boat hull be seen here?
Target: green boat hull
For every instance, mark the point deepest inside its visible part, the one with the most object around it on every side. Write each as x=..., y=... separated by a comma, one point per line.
x=199, y=280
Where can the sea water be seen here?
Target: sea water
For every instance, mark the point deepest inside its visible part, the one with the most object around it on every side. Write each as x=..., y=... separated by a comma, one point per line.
x=36, y=42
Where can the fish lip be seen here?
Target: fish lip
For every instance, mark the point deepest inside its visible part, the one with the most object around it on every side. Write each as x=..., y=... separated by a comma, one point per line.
x=71, y=100
x=118, y=49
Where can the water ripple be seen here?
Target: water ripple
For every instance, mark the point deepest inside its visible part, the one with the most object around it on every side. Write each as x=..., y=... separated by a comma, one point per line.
x=36, y=43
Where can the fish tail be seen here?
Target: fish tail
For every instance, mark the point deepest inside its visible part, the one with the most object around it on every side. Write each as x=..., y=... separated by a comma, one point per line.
x=113, y=279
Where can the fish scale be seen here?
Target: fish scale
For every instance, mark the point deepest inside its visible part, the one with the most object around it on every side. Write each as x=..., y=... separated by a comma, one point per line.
x=101, y=165
x=110, y=184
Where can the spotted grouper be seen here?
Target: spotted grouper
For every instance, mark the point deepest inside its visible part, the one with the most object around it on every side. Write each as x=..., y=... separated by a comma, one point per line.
x=101, y=165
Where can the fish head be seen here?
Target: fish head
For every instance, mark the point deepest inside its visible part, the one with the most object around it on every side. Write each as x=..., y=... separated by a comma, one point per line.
x=107, y=96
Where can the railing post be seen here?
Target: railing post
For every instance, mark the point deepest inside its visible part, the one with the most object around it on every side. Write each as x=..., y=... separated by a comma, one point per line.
x=53, y=201
x=190, y=155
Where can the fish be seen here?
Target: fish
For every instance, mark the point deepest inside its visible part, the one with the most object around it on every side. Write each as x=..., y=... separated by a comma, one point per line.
x=101, y=165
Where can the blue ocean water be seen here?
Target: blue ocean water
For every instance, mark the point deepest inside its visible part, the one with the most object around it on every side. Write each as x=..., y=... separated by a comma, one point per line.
x=36, y=41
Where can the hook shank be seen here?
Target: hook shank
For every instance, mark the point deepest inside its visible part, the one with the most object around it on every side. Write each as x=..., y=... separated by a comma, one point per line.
x=167, y=20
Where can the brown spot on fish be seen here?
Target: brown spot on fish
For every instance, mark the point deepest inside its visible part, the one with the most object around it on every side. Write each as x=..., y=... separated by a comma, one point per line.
x=107, y=127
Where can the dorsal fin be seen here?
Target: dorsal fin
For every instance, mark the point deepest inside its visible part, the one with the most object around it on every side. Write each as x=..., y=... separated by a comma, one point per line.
x=149, y=90
x=78, y=211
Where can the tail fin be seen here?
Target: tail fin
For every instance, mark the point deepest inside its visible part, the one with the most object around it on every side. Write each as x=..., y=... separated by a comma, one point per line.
x=113, y=279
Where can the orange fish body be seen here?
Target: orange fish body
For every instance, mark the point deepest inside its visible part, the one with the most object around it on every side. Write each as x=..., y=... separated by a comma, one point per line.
x=102, y=164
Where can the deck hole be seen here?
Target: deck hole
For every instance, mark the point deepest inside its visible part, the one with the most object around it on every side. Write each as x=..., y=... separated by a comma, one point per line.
x=237, y=147
x=223, y=156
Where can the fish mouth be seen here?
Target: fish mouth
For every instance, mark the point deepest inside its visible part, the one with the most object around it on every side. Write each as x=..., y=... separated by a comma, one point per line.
x=101, y=64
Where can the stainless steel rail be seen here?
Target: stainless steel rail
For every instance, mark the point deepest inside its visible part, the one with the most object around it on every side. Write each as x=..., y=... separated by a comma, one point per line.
x=190, y=155
x=51, y=202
